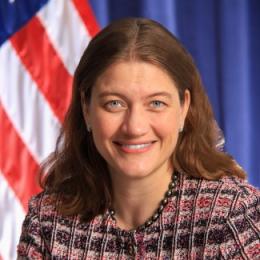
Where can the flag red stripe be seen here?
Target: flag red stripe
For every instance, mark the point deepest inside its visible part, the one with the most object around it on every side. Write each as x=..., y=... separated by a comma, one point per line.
x=87, y=16
x=16, y=163
x=42, y=61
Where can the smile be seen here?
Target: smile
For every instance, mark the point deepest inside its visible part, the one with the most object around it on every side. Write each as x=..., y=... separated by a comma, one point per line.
x=135, y=148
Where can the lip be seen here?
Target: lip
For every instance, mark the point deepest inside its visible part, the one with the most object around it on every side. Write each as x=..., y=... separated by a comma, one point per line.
x=135, y=147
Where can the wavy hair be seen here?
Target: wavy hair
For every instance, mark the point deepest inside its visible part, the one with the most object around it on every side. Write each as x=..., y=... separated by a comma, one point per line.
x=77, y=171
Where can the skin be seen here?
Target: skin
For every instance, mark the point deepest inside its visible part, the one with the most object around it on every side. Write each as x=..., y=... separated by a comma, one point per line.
x=135, y=115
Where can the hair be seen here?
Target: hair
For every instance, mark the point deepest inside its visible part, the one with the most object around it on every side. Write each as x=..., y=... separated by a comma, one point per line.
x=78, y=172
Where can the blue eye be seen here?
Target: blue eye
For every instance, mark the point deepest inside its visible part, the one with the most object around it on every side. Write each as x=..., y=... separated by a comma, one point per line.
x=157, y=104
x=114, y=105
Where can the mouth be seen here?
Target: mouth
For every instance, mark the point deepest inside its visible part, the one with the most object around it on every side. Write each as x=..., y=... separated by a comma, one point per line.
x=135, y=148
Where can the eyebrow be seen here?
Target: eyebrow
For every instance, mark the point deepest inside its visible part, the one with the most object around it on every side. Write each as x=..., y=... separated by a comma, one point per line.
x=162, y=93
x=108, y=93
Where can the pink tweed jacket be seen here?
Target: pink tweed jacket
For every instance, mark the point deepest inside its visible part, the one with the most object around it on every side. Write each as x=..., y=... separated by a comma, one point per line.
x=203, y=220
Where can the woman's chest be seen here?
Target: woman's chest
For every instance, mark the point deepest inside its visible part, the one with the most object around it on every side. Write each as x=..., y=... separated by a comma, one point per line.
x=105, y=242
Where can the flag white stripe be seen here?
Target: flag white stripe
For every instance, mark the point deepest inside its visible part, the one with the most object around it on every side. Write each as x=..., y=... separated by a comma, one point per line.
x=29, y=111
x=26, y=107
x=65, y=30
x=11, y=218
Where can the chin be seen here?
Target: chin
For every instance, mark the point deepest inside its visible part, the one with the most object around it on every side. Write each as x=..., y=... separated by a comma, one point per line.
x=134, y=173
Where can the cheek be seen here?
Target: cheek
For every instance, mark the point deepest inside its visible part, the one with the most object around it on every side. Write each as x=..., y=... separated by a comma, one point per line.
x=168, y=131
x=168, y=124
x=103, y=128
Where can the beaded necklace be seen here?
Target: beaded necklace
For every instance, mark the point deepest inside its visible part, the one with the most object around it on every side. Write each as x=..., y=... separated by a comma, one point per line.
x=168, y=194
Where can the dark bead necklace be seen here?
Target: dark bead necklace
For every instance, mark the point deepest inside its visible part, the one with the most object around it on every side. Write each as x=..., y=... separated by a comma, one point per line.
x=168, y=194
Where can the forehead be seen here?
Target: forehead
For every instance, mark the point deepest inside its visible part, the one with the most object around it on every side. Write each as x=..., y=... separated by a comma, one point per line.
x=135, y=77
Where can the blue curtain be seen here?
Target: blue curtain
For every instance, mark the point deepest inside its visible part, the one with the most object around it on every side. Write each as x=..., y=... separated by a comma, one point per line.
x=223, y=36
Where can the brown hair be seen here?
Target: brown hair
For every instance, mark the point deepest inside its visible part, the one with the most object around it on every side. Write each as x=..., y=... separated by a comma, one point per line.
x=76, y=169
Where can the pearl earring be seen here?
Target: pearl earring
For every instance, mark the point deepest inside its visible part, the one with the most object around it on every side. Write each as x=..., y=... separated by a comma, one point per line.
x=89, y=128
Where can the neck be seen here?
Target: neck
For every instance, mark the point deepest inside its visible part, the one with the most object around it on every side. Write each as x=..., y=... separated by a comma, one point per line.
x=136, y=200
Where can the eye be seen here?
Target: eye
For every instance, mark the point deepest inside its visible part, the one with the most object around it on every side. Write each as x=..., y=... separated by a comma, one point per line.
x=157, y=104
x=114, y=105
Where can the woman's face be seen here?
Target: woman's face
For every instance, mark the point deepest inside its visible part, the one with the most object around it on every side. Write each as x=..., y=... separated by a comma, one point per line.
x=135, y=116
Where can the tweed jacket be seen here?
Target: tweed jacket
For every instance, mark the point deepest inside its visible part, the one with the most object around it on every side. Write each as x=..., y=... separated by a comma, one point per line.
x=202, y=220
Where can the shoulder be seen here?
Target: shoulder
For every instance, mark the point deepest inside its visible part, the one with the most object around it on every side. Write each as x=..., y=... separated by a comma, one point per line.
x=239, y=185
x=229, y=191
x=245, y=196
x=42, y=207
x=31, y=240
x=243, y=200
x=243, y=221
x=45, y=207
x=43, y=202
x=47, y=232
x=229, y=208
x=220, y=201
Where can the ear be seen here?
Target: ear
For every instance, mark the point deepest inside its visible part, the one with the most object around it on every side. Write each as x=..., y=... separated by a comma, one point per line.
x=185, y=104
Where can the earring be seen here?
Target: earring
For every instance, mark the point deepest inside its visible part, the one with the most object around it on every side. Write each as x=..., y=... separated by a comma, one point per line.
x=180, y=129
x=89, y=128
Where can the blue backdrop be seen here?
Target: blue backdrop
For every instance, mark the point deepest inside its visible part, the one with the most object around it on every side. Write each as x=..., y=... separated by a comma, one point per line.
x=223, y=36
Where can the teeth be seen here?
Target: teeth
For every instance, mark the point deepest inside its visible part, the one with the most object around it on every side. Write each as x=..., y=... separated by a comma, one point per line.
x=135, y=146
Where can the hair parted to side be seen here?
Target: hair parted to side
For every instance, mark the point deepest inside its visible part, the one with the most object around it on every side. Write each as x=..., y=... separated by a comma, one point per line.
x=77, y=171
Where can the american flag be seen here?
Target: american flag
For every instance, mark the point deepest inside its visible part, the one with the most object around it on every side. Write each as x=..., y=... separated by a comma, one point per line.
x=40, y=45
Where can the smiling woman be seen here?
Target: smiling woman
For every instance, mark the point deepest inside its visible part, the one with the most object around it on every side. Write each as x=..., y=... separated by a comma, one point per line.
x=139, y=171
x=130, y=118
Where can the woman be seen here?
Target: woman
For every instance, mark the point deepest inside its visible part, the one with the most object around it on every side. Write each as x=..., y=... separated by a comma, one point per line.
x=138, y=172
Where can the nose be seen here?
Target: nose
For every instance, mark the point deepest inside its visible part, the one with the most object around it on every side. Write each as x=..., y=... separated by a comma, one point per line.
x=136, y=122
